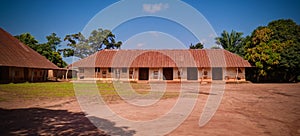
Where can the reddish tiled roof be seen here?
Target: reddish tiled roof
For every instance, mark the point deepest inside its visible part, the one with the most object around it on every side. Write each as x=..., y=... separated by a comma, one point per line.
x=163, y=58
x=16, y=54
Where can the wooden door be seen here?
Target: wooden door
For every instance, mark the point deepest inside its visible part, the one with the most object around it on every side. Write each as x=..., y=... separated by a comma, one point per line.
x=217, y=74
x=143, y=73
x=192, y=73
x=168, y=73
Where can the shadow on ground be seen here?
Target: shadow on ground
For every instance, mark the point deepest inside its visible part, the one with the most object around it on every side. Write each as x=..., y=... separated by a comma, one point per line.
x=39, y=121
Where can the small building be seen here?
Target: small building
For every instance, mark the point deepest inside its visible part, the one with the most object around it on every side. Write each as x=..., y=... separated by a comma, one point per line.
x=20, y=63
x=157, y=65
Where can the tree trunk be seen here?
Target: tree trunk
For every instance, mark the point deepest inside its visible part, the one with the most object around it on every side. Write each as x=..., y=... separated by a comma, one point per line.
x=67, y=74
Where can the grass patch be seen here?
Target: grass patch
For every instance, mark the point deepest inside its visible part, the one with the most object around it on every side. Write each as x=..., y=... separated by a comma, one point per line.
x=66, y=89
x=37, y=90
x=2, y=99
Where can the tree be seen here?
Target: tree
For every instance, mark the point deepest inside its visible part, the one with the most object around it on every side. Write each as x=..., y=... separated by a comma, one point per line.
x=215, y=47
x=77, y=45
x=232, y=42
x=82, y=47
x=51, y=47
x=274, y=51
x=53, y=41
x=263, y=53
x=197, y=46
x=28, y=39
x=102, y=37
x=47, y=49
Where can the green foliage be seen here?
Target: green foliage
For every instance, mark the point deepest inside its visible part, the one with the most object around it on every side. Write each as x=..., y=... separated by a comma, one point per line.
x=47, y=49
x=82, y=47
x=275, y=51
x=28, y=39
x=197, y=46
x=37, y=90
x=55, y=90
x=232, y=42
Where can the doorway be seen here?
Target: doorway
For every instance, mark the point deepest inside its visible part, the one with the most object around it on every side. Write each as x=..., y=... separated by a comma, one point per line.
x=143, y=73
x=192, y=73
x=217, y=74
x=168, y=73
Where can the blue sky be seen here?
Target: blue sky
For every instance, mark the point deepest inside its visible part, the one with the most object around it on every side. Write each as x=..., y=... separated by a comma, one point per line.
x=42, y=17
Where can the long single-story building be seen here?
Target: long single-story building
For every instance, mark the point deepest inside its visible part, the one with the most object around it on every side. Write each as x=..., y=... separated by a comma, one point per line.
x=20, y=63
x=158, y=65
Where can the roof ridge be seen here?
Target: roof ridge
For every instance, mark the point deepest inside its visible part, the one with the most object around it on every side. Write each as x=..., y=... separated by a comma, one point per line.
x=154, y=49
x=16, y=53
x=167, y=58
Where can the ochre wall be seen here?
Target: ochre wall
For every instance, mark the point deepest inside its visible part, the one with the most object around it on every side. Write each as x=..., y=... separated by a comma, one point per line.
x=228, y=74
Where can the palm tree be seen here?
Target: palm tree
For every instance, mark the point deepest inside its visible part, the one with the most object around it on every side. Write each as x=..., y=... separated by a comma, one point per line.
x=231, y=42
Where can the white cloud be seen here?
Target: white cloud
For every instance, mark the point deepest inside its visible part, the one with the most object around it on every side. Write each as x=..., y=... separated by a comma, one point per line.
x=211, y=36
x=153, y=8
x=203, y=41
x=154, y=33
x=140, y=45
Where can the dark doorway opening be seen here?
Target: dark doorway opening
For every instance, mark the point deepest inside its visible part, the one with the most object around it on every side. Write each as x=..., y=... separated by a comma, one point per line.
x=4, y=74
x=168, y=73
x=192, y=73
x=143, y=73
x=26, y=74
x=217, y=74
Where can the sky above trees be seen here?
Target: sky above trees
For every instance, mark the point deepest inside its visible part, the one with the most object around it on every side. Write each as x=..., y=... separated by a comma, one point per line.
x=43, y=17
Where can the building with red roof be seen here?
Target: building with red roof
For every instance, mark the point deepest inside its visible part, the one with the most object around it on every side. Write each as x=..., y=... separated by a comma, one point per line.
x=19, y=63
x=157, y=65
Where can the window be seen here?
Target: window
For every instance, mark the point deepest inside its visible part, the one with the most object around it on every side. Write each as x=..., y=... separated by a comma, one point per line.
x=131, y=71
x=124, y=70
x=97, y=69
x=155, y=74
x=179, y=74
x=110, y=70
x=239, y=70
x=104, y=74
x=81, y=70
x=117, y=71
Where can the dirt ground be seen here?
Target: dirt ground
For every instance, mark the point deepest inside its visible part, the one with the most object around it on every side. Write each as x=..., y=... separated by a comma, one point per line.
x=246, y=109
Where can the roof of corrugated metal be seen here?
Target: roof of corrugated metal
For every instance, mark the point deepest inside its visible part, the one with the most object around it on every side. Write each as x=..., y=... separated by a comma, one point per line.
x=16, y=54
x=163, y=58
